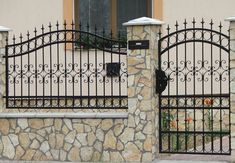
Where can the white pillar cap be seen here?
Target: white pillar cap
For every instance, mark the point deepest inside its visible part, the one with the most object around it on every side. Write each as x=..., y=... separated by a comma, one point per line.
x=143, y=21
x=4, y=29
x=231, y=19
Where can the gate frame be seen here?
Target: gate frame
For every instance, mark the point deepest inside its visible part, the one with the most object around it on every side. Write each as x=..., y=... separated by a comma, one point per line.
x=175, y=44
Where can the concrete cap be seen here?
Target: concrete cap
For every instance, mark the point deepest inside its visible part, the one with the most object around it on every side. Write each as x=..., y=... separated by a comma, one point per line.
x=231, y=19
x=4, y=29
x=143, y=21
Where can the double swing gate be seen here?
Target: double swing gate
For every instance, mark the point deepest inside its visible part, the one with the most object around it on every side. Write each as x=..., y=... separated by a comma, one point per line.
x=193, y=86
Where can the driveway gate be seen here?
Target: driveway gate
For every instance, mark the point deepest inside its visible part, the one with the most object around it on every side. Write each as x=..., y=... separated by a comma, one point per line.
x=193, y=82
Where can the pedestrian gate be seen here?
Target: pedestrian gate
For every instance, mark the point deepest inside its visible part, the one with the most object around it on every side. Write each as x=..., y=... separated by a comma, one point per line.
x=193, y=86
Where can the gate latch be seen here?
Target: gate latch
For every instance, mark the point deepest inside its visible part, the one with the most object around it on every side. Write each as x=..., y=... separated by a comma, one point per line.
x=161, y=81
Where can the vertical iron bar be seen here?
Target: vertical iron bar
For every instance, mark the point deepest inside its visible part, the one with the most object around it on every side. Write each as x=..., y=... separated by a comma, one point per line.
x=212, y=128
x=88, y=64
x=159, y=101
x=22, y=73
x=185, y=85
x=96, y=69
x=28, y=68
x=14, y=51
x=194, y=85
x=51, y=71
x=229, y=89
x=104, y=100
x=168, y=99
x=43, y=67
x=203, y=109
x=73, y=49
x=65, y=61
x=7, y=70
x=58, y=62
x=177, y=87
x=80, y=57
x=120, y=76
x=220, y=90
x=111, y=34
x=36, y=69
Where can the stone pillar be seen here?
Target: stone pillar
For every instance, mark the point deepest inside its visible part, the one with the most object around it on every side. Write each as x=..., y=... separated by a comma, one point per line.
x=142, y=99
x=232, y=83
x=3, y=35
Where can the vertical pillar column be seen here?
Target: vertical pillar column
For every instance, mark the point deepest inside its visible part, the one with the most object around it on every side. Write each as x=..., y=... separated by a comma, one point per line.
x=142, y=99
x=232, y=83
x=3, y=35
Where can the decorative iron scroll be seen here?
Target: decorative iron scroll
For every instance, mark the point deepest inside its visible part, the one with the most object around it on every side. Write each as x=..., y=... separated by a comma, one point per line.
x=66, y=68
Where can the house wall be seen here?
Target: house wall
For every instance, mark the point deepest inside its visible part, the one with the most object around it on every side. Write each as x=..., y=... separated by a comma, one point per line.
x=23, y=15
x=178, y=10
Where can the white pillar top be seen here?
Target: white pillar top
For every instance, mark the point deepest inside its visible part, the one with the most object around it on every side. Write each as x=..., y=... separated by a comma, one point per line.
x=4, y=29
x=231, y=19
x=143, y=21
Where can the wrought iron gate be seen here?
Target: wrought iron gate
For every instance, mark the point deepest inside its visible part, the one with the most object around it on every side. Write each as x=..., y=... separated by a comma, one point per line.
x=193, y=81
x=66, y=66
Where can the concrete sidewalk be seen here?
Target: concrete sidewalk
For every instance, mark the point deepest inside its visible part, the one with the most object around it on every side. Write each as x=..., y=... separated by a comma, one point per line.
x=188, y=161
x=156, y=161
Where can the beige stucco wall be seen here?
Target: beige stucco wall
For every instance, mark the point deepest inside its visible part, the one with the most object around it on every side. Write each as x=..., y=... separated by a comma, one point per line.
x=23, y=15
x=179, y=10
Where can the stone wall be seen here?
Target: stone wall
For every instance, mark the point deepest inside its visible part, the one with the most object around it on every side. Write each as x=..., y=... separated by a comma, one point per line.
x=232, y=85
x=76, y=139
x=91, y=139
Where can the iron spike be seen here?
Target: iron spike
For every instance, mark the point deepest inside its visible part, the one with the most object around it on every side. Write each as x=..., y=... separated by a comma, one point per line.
x=72, y=23
x=176, y=25
x=211, y=23
x=65, y=23
x=14, y=38
x=50, y=25
x=57, y=24
x=160, y=33
x=185, y=23
x=35, y=30
x=194, y=21
x=42, y=28
x=6, y=40
x=202, y=22
x=220, y=25
x=21, y=37
x=168, y=27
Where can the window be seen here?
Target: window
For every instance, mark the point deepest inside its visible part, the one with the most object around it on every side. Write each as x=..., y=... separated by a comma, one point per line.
x=110, y=14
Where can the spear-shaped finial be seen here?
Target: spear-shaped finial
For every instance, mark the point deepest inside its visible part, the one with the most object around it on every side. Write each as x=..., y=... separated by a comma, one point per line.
x=57, y=25
x=185, y=23
x=194, y=22
x=176, y=25
x=202, y=22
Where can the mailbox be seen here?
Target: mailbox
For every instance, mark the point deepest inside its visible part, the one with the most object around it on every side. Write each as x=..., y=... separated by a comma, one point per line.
x=138, y=44
x=113, y=69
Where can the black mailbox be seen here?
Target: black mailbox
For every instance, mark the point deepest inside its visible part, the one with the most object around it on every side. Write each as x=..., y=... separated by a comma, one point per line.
x=113, y=69
x=138, y=44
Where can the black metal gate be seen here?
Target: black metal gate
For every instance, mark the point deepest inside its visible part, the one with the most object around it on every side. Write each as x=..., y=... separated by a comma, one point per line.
x=67, y=67
x=193, y=81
